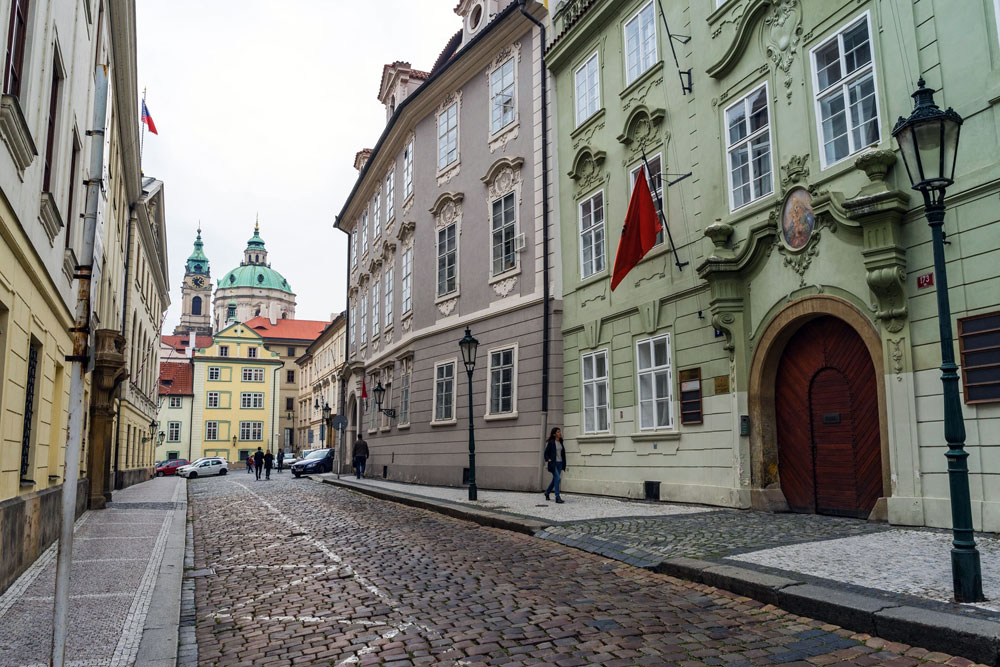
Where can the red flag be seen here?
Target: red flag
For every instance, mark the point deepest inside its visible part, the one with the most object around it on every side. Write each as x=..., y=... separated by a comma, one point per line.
x=642, y=224
x=364, y=389
x=147, y=119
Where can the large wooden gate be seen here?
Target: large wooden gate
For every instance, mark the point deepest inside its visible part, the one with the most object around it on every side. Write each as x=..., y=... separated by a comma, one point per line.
x=826, y=404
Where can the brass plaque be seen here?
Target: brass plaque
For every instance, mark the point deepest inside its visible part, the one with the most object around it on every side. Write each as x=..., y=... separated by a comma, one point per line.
x=721, y=384
x=690, y=374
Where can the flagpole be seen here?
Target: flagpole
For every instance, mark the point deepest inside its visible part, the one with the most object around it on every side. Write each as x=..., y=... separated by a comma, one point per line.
x=659, y=211
x=142, y=137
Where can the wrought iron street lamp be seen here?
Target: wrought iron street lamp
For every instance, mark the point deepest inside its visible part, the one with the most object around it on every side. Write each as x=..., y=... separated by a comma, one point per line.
x=160, y=437
x=928, y=141
x=327, y=419
x=379, y=392
x=469, y=347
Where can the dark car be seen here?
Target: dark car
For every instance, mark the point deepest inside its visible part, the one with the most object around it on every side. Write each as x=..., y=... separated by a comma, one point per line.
x=170, y=467
x=317, y=461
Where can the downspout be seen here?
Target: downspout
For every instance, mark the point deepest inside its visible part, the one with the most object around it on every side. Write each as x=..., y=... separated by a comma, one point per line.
x=546, y=318
x=347, y=335
x=128, y=262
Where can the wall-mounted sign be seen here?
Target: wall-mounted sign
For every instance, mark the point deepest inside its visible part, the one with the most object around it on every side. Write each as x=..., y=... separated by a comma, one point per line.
x=925, y=280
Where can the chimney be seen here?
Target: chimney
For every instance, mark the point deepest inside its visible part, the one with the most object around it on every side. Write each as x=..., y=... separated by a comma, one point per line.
x=361, y=158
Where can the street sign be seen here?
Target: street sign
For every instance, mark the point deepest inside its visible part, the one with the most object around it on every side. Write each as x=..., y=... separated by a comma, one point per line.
x=339, y=422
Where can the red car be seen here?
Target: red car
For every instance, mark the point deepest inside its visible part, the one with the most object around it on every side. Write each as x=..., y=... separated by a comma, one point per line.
x=170, y=467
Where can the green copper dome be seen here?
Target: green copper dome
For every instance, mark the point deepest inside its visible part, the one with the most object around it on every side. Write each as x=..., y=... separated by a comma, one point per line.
x=255, y=241
x=197, y=262
x=255, y=275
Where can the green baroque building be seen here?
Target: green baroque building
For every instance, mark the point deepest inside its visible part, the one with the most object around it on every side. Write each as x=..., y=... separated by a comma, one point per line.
x=785, y=355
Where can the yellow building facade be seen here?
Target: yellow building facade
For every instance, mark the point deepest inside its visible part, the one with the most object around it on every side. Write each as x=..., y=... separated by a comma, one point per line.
x=236, y=396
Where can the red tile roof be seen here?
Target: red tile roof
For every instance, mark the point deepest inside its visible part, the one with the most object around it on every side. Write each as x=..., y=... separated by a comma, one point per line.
x=180, y=343
x=176, y=379
x=305, y=330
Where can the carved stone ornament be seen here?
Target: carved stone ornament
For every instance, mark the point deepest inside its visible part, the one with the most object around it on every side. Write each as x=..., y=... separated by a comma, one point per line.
x=795, y=170
x=587, y=135
x=781, y=33
x=447, y=209
x=406, y=323
x=449, y=173
x=640, y=94
x=388, y=251
x=447, y=307
x=587, y=168
x=798, y=231
x=405, y=233
x=896, y=354
x=407, y=205
x=724, y=323
x=889, y=286
x=719, y=232
x=503, y=176
x=642, y=129
x=600, y=296
x=876, y=164
x=504, y=287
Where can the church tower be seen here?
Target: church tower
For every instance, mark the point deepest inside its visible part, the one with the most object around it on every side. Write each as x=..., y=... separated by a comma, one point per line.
x=196, y=314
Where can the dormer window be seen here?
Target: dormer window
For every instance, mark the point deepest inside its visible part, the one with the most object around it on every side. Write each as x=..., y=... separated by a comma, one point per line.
x=475, y=18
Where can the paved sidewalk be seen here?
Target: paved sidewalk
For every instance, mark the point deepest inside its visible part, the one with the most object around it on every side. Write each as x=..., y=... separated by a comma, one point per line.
x=124, y=591
x=888, y=581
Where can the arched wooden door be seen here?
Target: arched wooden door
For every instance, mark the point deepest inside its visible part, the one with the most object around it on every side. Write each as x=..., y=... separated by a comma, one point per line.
x=826, y=404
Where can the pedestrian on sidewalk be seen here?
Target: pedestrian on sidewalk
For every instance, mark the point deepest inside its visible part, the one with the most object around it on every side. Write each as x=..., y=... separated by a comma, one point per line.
x=268, y=464
x=249, y=463
x=258, y=462
x=360, y=456
x=555, y=461
x=281, y=458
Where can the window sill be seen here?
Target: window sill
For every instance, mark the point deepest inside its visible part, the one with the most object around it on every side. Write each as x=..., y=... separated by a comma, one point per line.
x=402, y=427
x=447, y=297
x=499, y=139
x=444, y=423
x=596, y=278
x=587, y=123
x=596, y=437
x=449, y=172
x=642, y=79
x=509, y=273
x=27, y=483
x=501, y=416
x=845, y=164
x=655, y=436
x=16, y=134
x=765, y=203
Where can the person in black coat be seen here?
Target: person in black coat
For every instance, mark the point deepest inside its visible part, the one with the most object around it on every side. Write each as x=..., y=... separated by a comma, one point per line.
x=258, y=462
x=555, y=461
x=281, y=459
x=268, y=464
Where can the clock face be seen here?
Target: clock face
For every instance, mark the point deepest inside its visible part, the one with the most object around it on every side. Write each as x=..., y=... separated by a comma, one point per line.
x=198, y=281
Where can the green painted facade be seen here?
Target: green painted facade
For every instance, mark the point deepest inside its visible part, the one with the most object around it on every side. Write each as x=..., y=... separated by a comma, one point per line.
x=767, y=77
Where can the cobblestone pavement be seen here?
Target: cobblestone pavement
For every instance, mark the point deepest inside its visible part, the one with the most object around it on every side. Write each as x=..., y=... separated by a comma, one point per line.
x=116, y=558
x=300, y=572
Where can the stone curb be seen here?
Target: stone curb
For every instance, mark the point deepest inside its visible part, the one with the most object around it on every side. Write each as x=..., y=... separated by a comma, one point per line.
x=973, y=638
x=482, y=517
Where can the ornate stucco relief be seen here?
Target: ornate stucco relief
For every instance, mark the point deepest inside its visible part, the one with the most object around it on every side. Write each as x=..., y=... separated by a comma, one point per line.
x=587, y=169
x=447, y=307
x=639, y=95
x=642, y=131
x=794, y=171
x=447, y=209
x=504, y=287
x=781, y=33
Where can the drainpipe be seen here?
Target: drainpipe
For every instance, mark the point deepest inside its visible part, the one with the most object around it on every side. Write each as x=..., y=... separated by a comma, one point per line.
x=81, y=356
x=546, y=318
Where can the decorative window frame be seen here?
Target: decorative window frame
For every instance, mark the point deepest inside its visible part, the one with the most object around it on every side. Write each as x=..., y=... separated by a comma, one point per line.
x=452, y=169
x=218, y=374
x=498, y=140
x=405, y=370
x=179, y=400
x=171, y=427
x=447, y=210
x=454, y=393
x=208, y=423
x=502, y=178
x=727, y=148
x=389, y=190
x=217, y=395
x=497, y=416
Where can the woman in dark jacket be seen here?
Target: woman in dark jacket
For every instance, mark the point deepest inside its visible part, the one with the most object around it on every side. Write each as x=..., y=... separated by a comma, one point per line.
x=555, y=461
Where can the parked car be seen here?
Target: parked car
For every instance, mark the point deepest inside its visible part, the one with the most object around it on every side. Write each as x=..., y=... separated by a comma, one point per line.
x=171, y=467
x=289, y=459
x=212, y=465
x=318, y=460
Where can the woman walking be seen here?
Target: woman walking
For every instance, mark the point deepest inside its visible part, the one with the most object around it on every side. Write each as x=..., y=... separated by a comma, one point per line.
x=555, y=461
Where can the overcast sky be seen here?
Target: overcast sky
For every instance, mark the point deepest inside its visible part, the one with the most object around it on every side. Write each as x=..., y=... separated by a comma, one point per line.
x=260, y=107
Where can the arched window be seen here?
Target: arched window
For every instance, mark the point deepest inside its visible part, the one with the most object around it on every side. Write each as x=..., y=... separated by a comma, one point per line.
x=257, y=313
x=196, y=306
x=284, y=315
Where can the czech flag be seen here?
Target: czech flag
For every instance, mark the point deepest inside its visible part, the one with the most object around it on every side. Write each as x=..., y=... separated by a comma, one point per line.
x=364, y=389
x=147, y=119
x=642, y=224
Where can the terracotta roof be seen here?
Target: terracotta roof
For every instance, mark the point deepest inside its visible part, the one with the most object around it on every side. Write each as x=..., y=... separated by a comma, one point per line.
x=176, y=379
x=448, y=51
x=288, y=329
x=180, y=342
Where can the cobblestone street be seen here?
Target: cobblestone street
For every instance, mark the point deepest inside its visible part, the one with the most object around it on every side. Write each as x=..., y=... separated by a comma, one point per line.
x=291, y=571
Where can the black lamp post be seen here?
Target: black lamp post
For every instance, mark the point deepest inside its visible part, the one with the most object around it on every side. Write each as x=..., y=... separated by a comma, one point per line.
x=470, y=346
x=327, y=418
x=928, y=141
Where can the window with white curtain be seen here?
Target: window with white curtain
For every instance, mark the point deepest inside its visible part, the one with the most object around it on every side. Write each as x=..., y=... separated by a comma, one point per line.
x=655, y=379
x=596, y=405
x=748, y=146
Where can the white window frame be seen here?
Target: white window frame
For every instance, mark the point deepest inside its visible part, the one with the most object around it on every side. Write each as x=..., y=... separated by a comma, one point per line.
x=376, y=322
x=390, y=194
x=845, y=81
x=251, y=431
x=405, y=378
x=252, y=352
x=641, y=54
x=501, y=414
x=408, y=169
x=213, y=399
x=653, y=371
x=591, y=106
x=364, y=318
x=406, y=281
x=350, y=333
x=175, y=402
x=354, y=247
x=657, y=192
x=252, y=374
x=447, y=136
x=454, y=377
x=595, y=382
x=454, y=252
x=251, y=400
x=497, y=77
x=223, y=350
x=173, y=431
x=388, y=297
x=210, y=426
x=214, y=373
x=746, y=141
x=583, y=233
x=364, y=232
x=505, y=226
x=377, y=214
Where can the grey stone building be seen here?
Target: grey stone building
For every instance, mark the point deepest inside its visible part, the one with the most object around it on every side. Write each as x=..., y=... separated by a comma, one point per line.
x=448, y=230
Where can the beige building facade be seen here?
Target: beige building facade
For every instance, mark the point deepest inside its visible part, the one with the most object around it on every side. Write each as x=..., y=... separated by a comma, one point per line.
x=320, y=371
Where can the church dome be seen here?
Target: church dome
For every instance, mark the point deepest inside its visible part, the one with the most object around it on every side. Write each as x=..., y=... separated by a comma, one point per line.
x=255, y=276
